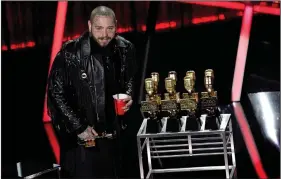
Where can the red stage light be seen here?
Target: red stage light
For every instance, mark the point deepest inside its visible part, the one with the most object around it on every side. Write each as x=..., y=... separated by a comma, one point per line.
x=242, y=54
x=53, y=140
x=263, y=7
x=236, y=6
x=4, y=48
x=57, y=43
x=158, y=27
x=237, y=88
x=249, y=140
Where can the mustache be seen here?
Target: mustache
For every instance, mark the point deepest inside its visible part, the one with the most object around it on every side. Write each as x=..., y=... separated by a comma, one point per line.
x=104, y=38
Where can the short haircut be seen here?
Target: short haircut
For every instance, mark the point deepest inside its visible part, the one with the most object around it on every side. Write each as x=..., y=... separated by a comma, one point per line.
x=102, y=11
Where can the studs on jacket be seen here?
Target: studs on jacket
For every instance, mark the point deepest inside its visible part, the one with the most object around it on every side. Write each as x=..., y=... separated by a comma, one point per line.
x=114, y=49
x=84, y=75
x=67, y=55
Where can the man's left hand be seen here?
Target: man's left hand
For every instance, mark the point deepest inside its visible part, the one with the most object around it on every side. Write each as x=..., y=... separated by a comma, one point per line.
x=129, y=103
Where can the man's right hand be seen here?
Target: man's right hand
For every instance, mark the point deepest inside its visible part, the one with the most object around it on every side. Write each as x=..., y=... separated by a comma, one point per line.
x=88, y=134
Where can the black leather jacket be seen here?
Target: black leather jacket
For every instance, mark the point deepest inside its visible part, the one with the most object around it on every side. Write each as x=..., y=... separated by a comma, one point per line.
x=76, y=83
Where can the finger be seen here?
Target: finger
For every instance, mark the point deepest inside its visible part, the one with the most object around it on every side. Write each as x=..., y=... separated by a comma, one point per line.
x=127, y=99
x=127, y=109
x=129, y=104
x=86, y=138
x=90, y=138
x=94, y=132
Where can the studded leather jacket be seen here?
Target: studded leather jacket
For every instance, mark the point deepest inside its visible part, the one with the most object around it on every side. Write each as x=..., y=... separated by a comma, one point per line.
x=75, y=91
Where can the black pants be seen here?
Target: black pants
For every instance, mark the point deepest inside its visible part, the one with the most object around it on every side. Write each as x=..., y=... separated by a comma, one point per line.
x=101, y=161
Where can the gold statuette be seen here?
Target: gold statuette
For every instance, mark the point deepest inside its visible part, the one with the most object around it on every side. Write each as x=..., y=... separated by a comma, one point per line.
x=170, y=105
x=172, y=95
x=155, y=79
x=150, y=105
x=173, y=75
x=149, y=88
x=170, y=98
x=153, y=99
x=190, y=99
x=209, y=97
x=189, y=102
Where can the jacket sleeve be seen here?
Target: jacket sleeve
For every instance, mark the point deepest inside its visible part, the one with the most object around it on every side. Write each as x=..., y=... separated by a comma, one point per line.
x=131, y=70
x=57, y=103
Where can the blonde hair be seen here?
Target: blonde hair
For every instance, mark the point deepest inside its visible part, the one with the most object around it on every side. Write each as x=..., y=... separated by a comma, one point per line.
x=102, y=11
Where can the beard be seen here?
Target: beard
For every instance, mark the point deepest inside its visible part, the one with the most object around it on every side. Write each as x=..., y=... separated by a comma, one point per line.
x=102, y=41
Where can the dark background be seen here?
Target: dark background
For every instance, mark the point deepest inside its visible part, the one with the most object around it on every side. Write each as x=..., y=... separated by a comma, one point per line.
x=189, y=45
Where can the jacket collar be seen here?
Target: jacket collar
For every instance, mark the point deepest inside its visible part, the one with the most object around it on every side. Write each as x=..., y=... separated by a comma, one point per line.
x=119, y=42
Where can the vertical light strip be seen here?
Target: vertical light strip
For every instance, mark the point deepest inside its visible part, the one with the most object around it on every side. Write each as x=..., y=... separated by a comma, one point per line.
x=59, y=29
x=242, y=54
x=53, y=140
x=249, y=140
x=57, y=43
x=237, y=88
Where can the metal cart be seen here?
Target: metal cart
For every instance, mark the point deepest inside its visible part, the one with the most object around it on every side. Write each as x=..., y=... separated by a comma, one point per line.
x=188, y=144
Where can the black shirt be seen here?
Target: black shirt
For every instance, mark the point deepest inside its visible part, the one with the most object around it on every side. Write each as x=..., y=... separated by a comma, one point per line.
x=111, y=64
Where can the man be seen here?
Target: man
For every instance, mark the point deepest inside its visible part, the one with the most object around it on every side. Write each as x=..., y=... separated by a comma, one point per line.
x=85, y=74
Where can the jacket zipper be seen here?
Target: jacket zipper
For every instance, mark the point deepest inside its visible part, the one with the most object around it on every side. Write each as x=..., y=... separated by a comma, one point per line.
x=96, y=104
x=95, y=90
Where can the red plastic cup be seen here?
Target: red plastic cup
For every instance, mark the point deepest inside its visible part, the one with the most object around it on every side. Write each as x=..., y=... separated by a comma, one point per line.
x=120, y=103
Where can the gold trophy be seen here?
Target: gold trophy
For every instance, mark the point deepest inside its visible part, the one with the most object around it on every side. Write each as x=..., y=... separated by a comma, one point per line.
x=209, y=101
x=150, y=107
x=170, y=103
x=155, y=79
x=171, y=89
x=189, y=102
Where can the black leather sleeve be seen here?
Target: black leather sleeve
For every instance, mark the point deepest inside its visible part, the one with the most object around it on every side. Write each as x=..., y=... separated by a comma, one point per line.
x=58, y=106
x=131, y=70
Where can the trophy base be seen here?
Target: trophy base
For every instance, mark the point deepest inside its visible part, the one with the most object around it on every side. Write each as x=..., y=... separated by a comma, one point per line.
x=192, y=124
x=153, y=126
x=173, y=125
x=211, y=123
